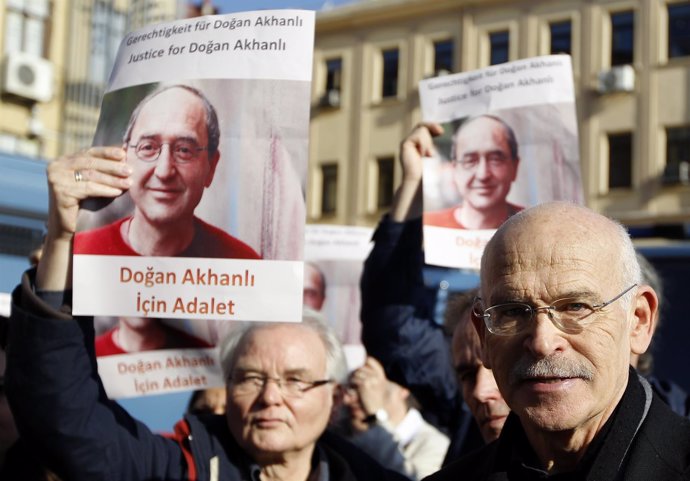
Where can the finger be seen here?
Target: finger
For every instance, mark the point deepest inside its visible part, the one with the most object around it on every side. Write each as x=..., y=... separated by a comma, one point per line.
x=98, y=180
x=106, y=152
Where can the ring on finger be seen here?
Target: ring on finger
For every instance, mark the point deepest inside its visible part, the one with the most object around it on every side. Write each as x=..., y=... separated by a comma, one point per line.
x=78, y=176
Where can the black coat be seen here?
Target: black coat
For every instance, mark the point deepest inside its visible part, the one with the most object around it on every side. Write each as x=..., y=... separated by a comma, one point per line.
x=659, y=450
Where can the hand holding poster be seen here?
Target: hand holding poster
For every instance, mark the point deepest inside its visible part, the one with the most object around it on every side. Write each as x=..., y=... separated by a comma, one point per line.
x=212, y=116
x=510, y=141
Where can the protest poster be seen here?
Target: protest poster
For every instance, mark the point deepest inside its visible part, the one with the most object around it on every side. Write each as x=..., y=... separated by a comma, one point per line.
x=510, y=141
x=212, y=224
x=334, y=257
x=146, y=356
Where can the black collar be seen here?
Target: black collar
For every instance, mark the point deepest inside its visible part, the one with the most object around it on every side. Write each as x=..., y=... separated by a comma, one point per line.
x=604, y=456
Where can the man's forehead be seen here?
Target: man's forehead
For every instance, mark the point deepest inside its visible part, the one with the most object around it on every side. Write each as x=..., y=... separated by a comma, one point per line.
x=173, y=104
x=288, y=347
x=530, y=261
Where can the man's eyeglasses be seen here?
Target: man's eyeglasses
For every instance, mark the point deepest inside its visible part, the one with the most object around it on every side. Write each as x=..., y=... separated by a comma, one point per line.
x=252, y=384
x=494, y=160
x=183, y=151
x=570, y=315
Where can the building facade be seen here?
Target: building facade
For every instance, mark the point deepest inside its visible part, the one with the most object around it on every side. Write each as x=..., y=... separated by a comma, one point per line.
x=55, y=61
x=631, y=63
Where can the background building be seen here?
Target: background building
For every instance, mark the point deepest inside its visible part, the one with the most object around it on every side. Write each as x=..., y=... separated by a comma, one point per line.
x=631, y=61
x=55, y=62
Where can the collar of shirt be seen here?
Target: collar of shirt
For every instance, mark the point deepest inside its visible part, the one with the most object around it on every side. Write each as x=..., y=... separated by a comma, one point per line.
x=408, y=427
x=604, y=455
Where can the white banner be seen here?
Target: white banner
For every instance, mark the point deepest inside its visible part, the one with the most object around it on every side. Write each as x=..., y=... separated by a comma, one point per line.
x=185, y=288
x=160, y=372
x=273, y=44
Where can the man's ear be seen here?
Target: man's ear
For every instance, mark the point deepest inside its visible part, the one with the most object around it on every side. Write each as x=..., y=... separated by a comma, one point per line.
x=480, y=327
x=645, y=312
x=515, y=170
x=213, y=163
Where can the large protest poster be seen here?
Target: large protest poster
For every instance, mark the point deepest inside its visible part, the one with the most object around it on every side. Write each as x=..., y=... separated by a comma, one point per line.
x=213, y=114
x=334, y=257
x=510, y=141
x=238, y=182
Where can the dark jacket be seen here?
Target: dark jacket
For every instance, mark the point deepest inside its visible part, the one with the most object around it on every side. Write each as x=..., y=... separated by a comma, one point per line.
x=643, y=440
x=398, y=330
x=62, y=411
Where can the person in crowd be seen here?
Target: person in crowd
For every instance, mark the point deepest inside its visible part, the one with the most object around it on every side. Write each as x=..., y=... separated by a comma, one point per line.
x=170, y=150
x=210, y=401
x=373, y=400
x=314, y=291
x=485, y=162
x=479, y=389
x=557, y=330
x=18, y=461
x=137, y=334
x=418, y=356
x=670, y=392
x=281, y=381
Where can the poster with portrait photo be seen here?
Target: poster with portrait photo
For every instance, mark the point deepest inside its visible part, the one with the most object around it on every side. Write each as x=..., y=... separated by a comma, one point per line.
x=213, y=116
x=509, y=141
x=147, y=356
x=334, y=258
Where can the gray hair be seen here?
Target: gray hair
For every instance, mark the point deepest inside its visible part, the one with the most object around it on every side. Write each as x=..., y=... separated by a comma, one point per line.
x=336, y=366
x=212, y=125
x=628, y=263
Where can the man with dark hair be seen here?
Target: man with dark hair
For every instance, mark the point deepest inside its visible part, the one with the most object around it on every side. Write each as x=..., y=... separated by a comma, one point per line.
x=419, y=355
x=485, y=163
x=171, y=148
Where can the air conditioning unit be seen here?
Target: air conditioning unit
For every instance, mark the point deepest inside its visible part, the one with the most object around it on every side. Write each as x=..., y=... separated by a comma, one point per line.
x=27, y=76
x=331, y=98
x=617, y=79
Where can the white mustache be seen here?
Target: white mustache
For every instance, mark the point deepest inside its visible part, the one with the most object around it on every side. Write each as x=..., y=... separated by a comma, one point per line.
x=549, y=367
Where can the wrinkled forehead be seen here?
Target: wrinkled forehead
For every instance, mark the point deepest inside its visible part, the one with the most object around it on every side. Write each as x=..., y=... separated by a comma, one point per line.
x=284, y=347
x=545, y=256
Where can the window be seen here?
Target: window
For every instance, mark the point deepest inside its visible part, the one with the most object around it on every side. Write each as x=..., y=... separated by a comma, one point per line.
x=500, y=47
x=561, y=37
x=389, y=84
x=677, y=155
x=384, y=192
x=622, y=34
x=620, y=160
x=329, y=189
x=26, y=26
x=443, y=56
x=107, y=29
x=334, y=69
x=679, y=30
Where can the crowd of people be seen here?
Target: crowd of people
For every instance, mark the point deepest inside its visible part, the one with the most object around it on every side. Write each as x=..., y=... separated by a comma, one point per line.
x=532, y=377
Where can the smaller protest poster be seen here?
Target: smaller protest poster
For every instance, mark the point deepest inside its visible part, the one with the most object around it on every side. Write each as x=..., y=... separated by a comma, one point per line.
x=510, y=141
x=334, y=257
x=146, y=356
x=212, y=114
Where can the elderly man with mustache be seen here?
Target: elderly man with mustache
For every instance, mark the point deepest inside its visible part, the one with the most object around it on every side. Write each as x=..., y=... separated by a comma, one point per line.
x=561, y=308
